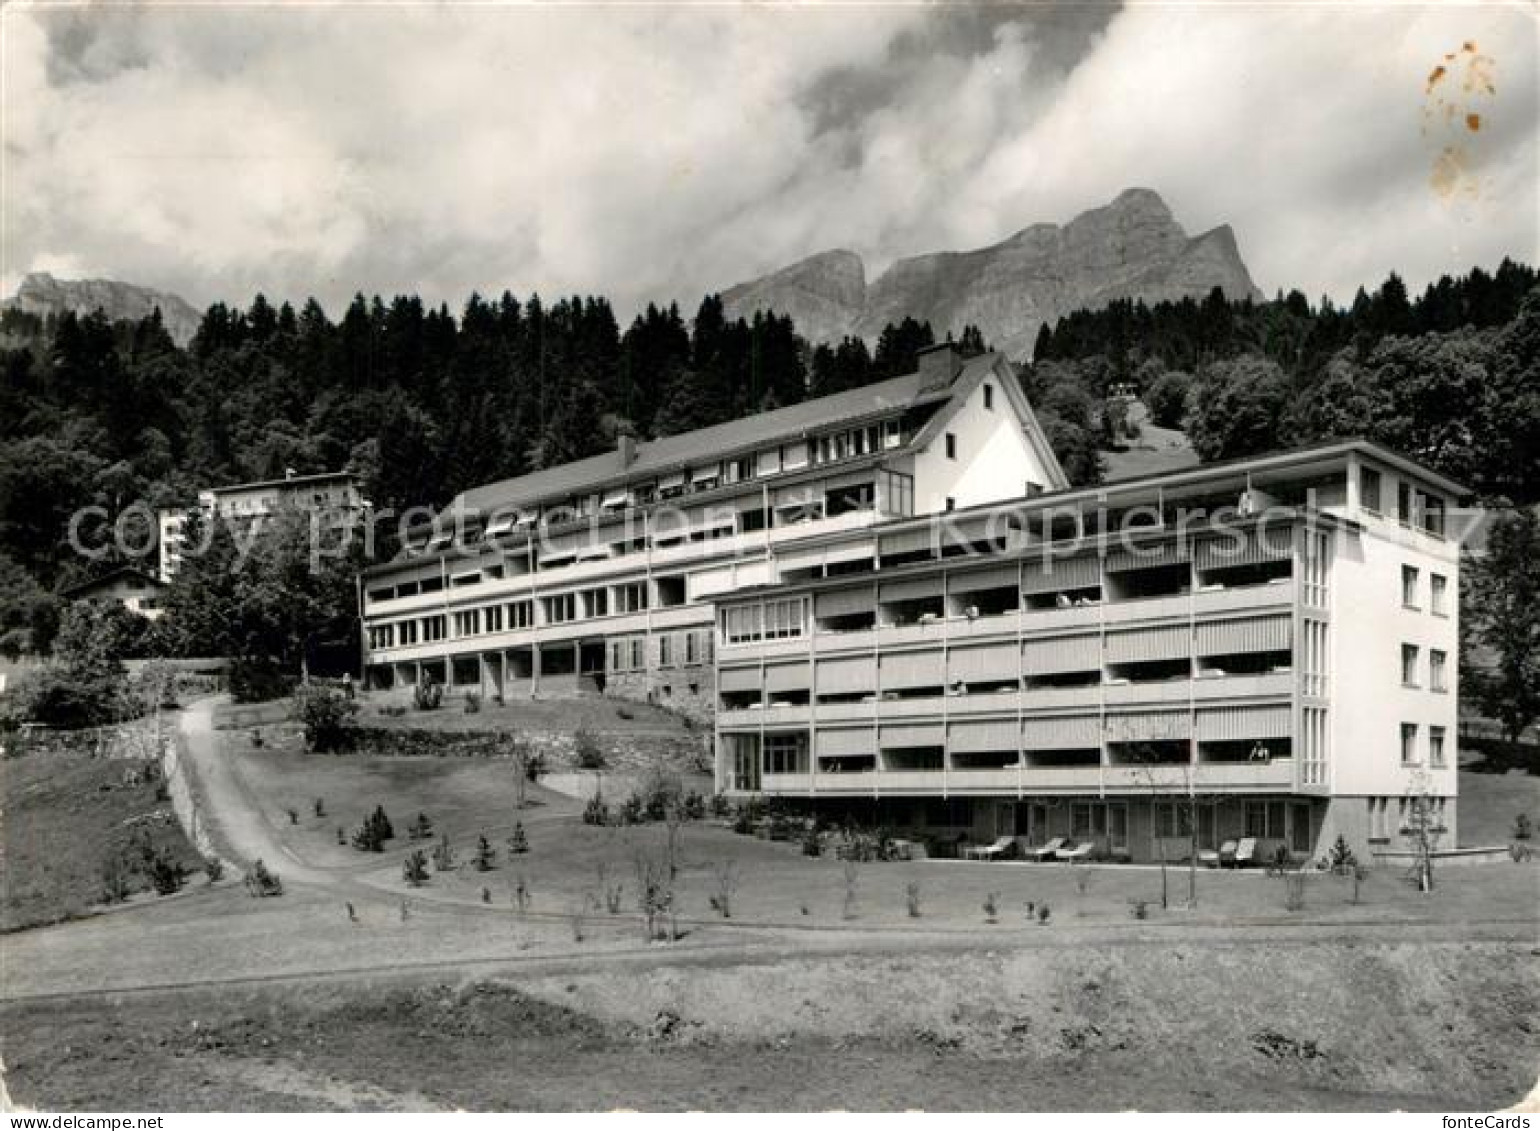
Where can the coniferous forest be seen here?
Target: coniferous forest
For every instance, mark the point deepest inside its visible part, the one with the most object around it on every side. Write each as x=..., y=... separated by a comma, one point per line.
x=423, y=402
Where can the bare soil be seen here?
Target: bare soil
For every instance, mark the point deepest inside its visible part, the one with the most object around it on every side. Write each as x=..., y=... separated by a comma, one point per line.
x=1324, y=1027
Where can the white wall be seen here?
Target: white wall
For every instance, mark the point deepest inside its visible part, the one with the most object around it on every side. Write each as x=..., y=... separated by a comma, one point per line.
x=1369, y=625
x=994, y=460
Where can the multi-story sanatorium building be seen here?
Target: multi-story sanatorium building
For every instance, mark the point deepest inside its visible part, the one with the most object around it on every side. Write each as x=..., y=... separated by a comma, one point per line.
x=599, y=574
x=334, y=494
x=1265, y=648
x=890, y=600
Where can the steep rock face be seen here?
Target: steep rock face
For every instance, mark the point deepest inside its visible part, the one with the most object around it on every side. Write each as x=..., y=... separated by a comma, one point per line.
x=824, y=294
x=42, y=294
x=1131, y=248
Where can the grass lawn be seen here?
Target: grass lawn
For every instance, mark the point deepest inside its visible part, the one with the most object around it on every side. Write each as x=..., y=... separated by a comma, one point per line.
x=66, y=814
x=1489, y=803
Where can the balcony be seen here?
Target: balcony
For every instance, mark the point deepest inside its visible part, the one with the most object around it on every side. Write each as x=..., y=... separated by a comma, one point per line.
x=1273, y=685
x=1221, y=777
x=1275, y=594
x=1050, y=620
x=834, y=643
x=1057, y=698
x=929, y=632
x=1157, y=692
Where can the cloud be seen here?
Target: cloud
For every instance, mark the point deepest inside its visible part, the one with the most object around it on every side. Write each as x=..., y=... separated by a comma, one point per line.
x=656, y=153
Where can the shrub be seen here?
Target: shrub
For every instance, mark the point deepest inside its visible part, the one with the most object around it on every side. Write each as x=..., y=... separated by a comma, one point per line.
x=443, y=855
x=327, y=716
x=256, y=739
x=213, y=868
x=694, y=806
x=521, y=895
x=116, y=875
x=420, y=829
x=586, y=751
x=992, y=907
x=518, y=842
x=342, y=836
x=1140, y=909
x=596, y=812
x=318, y=807
x=1042, y=914
x=912, y=899
x=371, y=835
x=632, y=811
x=472, y=702
x=719, y=806
x=1523, y=828
x=1341, y=856
x=293, y=815
x=486, y=855
x=812, y=842
x=414, y=869
x=428, y=695
x=1521, y=853
x=57, y=697
x=261, y=882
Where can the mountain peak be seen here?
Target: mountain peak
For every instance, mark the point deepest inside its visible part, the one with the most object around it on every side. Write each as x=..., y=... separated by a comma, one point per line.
x=42, y=294
x=1131, y=247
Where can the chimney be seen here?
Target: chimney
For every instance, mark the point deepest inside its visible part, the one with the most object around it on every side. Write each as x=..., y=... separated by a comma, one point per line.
x=939, y=365
x=288, y=473
x=625, y=444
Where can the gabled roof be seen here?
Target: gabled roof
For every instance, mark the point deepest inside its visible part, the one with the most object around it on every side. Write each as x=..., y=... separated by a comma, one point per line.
x=669, y=453
x=106, y=579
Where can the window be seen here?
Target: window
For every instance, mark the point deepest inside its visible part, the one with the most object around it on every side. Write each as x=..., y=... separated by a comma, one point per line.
x=1436, y=747
x=785, y=754
x=596, y=602
x=408, y=632
x=521, y=614
x=691, y=648
x=951, y=503
x=495, y=619
x=895, y=493
x=1369, y=489
x=1408, y=744
x=989, y=397
x=1438, y=670
x=665, y=650
x=637, y=654
x=631, y=598
x=951, y=445
x=1265, y=819
x=468, y=623
x=1404, y=497
x=1409, y=665
x=1438, y=594
x=1432, y=516
x=1409, y=586
x=432, y=629
x=774, y=620
x=561, y=609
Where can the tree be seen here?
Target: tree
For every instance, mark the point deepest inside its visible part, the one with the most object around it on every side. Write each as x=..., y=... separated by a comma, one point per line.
x=1238, y=408
x=1167, y=397
x=1500, y=619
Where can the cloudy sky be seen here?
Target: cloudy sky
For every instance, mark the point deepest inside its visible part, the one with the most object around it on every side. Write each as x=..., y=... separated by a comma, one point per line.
x=658, y=152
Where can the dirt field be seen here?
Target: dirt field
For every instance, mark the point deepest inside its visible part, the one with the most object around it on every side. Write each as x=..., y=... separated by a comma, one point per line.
x=1312, y=1027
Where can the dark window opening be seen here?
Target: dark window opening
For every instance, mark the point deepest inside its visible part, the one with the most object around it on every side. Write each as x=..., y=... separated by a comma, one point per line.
x=1159, y=581
x=1064, y=679
x=1258, y=573
x=1244, y=663
x=1245, y=750
x=1066, y=598
x=1158, y=752
x=1151, y=671
x=913, y=758
x=984, y=760
x=921, y=610
x=1077, y=756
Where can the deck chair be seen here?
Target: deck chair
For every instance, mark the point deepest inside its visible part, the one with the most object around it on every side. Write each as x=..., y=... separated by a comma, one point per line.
x=1077, y=852
x=1245, y=852
x=999, y=849
x=1046, y=851
x=1213, y=858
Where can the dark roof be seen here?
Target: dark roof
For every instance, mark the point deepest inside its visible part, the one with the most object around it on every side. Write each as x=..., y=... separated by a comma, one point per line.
x=122, y=571
x=670, y=453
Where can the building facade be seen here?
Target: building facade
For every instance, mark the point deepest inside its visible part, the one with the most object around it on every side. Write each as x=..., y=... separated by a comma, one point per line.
x=132, y=588
x=334, y=495
x=601, y=574
x=1261, y=649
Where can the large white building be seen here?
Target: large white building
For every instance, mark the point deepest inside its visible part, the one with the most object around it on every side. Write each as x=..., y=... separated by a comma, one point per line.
x=336, y=495
x=890, y=600
x=1262, y=649
x=600, y=574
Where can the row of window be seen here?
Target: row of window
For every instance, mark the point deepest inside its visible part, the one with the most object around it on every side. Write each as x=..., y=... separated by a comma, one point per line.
x=1412, y=507
x=1382, y=824
x=772, y=620
x=681, y=649
x=1411, y=746
x=1438, y=667
x=1411, y=591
